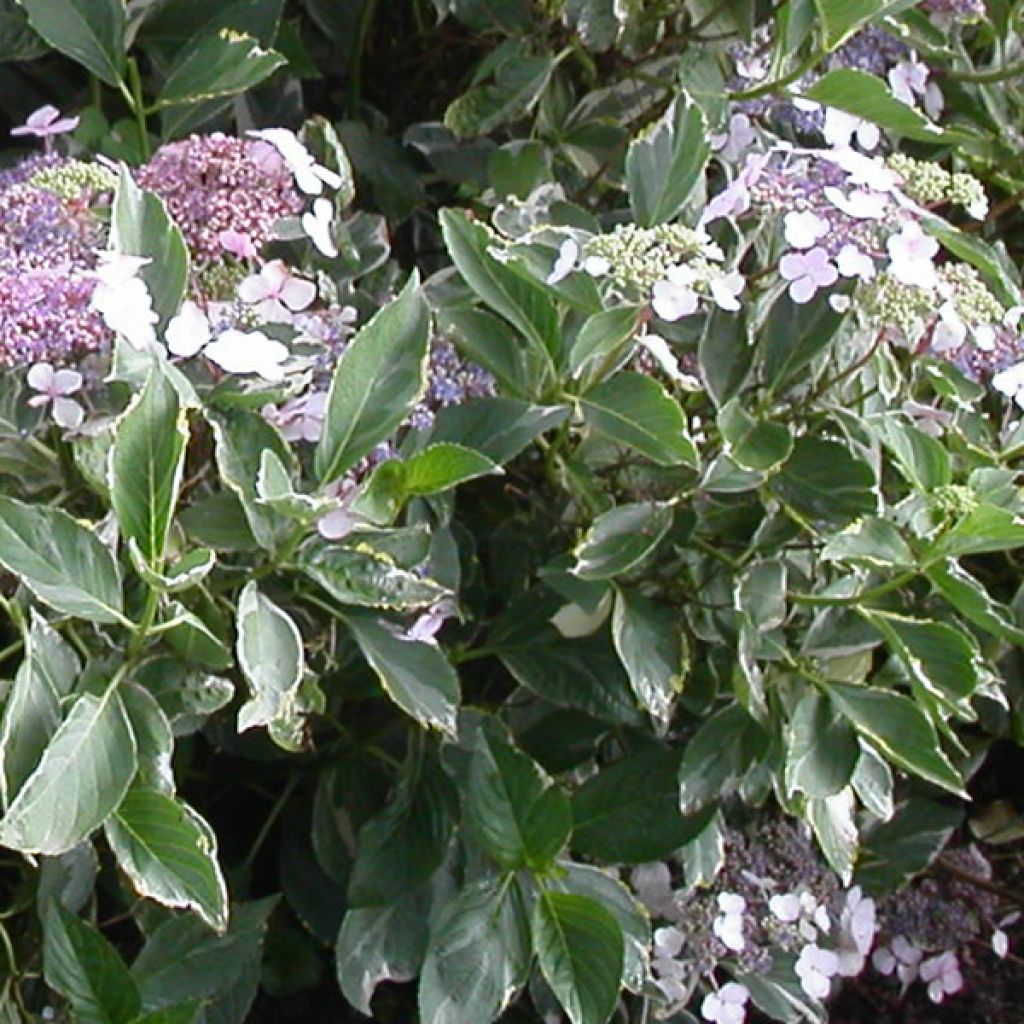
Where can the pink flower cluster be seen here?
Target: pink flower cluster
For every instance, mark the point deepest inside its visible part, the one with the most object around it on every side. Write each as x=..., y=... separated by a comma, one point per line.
x=223, y=192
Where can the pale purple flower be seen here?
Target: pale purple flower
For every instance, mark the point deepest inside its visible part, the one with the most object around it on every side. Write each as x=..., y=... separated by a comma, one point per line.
x=863, y=170
x=1010, y=382
x=276, y=292
x=912, y=254
x=909, y=81
x=46, y=122
x=426, y=627
x=816, y=967
x=901, y=956
x=950, y=331
x=807, y=272
x=726, y=1006
x=734, y=199
x=857, y=927
x=299, y=419
x=942, y=976
x=674, y=297
x=860, y=204
x=732, y=143
x=785, y=907
x=54, y=386
x=803, y=228
x=317, y=225
x=238, y=243
x=336, y=524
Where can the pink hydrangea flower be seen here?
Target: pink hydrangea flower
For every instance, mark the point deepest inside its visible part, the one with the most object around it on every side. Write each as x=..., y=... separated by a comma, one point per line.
x=276, y=292
x=45, y=123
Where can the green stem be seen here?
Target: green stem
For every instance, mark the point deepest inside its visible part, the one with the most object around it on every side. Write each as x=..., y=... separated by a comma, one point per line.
x=275, y=812
x=355, y=96
x=138, y=105
x=824, y=601
x=987, y=77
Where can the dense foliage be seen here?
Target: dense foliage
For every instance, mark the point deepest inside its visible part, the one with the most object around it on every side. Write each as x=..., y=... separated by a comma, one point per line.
x=516, y=499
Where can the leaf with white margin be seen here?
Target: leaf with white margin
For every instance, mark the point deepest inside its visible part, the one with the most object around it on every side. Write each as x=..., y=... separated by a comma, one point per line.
x=269, y=652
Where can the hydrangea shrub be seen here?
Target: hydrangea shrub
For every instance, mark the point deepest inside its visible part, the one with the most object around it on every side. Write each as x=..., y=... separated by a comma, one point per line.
x=595, y=575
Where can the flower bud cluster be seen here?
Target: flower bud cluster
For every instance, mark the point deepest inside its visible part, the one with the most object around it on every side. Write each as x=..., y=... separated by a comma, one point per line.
x=75, y=180
x=638, y=258
x=930, y=184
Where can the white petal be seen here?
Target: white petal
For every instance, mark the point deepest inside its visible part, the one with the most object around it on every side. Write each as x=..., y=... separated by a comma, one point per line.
x=802, y=290
x=66, y=382
x=254, y=289
x=596, y=266
x=67, y=412
x=188, y=331
x=335, y=525
x=40, y=377
x=298, y=293
x=803, y=229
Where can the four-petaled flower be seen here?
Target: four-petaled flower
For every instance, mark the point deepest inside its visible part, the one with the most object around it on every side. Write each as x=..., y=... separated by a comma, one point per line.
x=277, y=293
x=807, y=272
x=310, y=176
x=674, y=297
x=942, y=976
x=45, y=123
x=816, y=967
x=248, y=352
x=728, y=925
x=55, y=386
x=726, y=1006
x=911, y=255
x=803, y=228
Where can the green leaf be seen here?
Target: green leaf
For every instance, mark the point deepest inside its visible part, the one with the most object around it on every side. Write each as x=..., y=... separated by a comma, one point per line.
x=183, y=960
x=665, y=163
x=941, y=659
x=519, y=816
x=602, y=340
x=141, y=226
x=518, y=85
x=716, y=758
x=871, y=542
x=821, y=749
x=183, y=1013
x=636, y=411
x=242, y=440
x=792, y=335
x=825, y=484
x=478, y=957
x=91, y=32
x=416, y=676
x=499, y=428
x=580, y=948
x=146, y=463
x=652, y=647
x=64, y=564
x=184, y=574
x=873, y=783
x=437, y=468
x=897, y=850
x=900, y=730
x=841, y=18
x=222, y=63
x=751, y=444
x=362, y=576
x=81, y=778
x=275, y=489
x=376, y=382
x=382, y=943
x=193, y=639
x=523, y=302
x=269, y=650
x=725, y=355
x=402, y=846
x=868, y=97
x=154, y=740
x=80, y=964
x=984, y=528
x=970, y=598
x=629, y=812
x=32, y=711
x=832, y=819
x=169, y=853
x=622, y=539
x=493, y=344
x=921, y=459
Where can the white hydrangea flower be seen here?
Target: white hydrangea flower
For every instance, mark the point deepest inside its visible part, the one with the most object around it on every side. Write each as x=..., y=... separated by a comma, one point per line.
x=248, y=352
x=725, y=288
x=317, y=225
x=785, y=907
x=861, y=203
x=1010, y=382
x=841, y=129
x=188, y=330
x=674, y=297
x=123, y=300
x=1000, y=940
x=851, y=262
x=565, y=262
x=310, y=177
x=857, y=927
x=803, y=228
x=726, y=1006
x=54, y=386
x=728, y=925
x=912, y=255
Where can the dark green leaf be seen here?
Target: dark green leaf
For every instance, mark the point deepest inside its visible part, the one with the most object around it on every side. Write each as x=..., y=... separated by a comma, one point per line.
x=91, y=32
x=621, y=539
x=793, y=335
x=821, y=748
x=825, y=484
x=970, y=598
x=375, y=383
x=500, y=428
